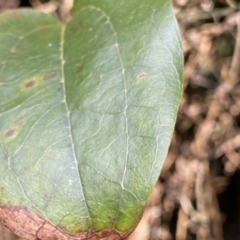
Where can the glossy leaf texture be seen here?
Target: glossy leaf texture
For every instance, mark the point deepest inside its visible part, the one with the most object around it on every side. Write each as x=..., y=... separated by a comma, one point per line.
x=87, y=110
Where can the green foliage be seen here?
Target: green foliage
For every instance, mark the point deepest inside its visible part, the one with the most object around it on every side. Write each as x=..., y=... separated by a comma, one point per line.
x=87, y=110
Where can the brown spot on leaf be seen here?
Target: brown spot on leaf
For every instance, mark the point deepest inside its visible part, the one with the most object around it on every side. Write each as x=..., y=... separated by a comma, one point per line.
x=75, y=28
x=10, y=133
x=29, y=84
x=79, y=68
x=19, y=121
x=29, y=226
x=142, y=75
x=49, y=75
x=44, y=24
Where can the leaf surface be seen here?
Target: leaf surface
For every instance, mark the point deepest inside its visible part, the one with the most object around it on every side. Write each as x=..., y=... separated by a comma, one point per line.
x=87, y=110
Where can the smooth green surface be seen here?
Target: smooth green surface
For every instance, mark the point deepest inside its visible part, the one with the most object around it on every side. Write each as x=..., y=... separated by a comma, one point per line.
x=87, y=110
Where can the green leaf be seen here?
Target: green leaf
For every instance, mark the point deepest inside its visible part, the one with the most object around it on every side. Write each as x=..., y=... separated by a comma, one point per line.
x=87, y=111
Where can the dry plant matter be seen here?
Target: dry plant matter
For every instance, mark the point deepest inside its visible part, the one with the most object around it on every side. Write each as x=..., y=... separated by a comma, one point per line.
x=198, y=193
x=60, y=7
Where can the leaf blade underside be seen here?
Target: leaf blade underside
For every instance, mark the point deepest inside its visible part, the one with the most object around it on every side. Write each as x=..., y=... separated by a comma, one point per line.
x=87, y=114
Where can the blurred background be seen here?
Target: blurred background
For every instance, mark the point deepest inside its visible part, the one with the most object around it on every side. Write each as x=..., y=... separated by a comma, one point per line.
x=197, y=196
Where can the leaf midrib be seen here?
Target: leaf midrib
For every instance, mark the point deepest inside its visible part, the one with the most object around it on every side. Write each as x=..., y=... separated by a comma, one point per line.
x=63, y=29
x=124, y=85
